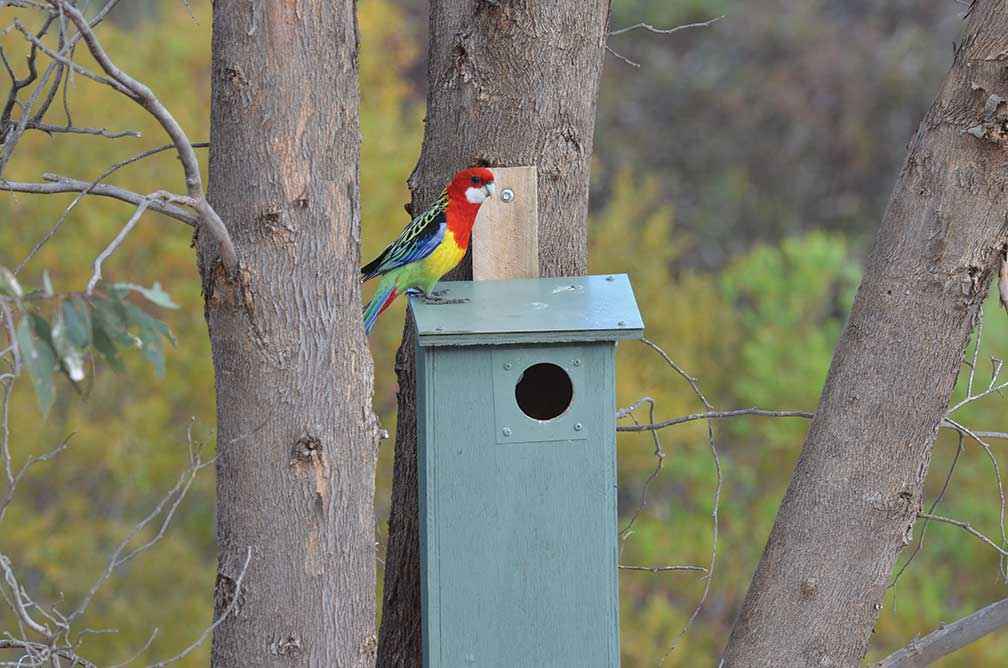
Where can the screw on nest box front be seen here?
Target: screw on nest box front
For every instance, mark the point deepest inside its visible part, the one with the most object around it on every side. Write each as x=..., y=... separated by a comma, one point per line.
x=516, y=438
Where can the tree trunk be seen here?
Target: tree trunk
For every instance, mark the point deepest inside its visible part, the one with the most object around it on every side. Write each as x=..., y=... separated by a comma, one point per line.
x=296, y=435
x=510, y=83
x=858, y=485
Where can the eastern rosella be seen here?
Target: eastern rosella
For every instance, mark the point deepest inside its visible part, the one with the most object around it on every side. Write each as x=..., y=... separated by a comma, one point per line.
x=431, y=245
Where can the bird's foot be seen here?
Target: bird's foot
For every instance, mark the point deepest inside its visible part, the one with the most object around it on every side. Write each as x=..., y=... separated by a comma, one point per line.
x=436, y=298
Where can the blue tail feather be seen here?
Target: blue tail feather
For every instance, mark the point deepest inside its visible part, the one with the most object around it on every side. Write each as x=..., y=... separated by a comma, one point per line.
x=384, y=296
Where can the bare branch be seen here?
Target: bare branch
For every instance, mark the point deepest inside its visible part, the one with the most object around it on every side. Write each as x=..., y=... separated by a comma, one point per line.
x=716, y=500
x=20, y=599
x=968, y=528
x=663, y=569
x=949, y=638
x=32, y=461
x=18, y=84
x=1000, y=486
x=659, y=454
x=712, y=415
x=146, y=98
x=666, y=31
x=96, y=273
x=626, y=60
x=101, y=177
x=934, y=505
x=69, y=129
x=63, y=60
x=67, y=185
x=43, y=653
x=167, y=506
x=760, y=412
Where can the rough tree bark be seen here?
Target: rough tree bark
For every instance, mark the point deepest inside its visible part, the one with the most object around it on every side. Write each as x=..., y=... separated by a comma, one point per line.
x=852, y=501
x=511, y=83
x=296, y=435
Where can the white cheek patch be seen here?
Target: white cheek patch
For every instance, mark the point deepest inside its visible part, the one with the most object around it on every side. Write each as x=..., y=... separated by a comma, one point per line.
x=475, y=195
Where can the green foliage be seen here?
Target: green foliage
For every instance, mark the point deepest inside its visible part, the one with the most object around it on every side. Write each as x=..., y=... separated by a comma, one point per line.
x=760, y=333
x=129, y=431
x=81, y=325
x=38, y=357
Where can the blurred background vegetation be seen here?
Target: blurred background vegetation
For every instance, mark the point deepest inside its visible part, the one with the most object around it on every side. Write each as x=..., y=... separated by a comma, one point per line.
x=740, y=171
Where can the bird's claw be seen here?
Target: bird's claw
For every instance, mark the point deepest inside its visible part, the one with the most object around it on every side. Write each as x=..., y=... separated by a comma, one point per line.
x=435, y=299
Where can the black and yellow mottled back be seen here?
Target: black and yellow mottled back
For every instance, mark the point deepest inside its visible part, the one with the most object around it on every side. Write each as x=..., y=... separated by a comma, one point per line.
x=415, y=242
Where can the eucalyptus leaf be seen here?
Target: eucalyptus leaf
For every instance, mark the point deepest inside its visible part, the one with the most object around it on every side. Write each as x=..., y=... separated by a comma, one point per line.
x=153, y=350
x=154, y=294
x=40, y=360
x=41, y=327
x=137, y=316
x=151, y=332
x=69, y=354
x=109, y=318
x=9, y=283
x=108, y=351
x=77, y=318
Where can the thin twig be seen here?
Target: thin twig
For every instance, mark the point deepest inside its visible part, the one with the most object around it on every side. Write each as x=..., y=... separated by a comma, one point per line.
x=715, y=415
x=96, y=273
x=659, y=454
x=663, y=569
x=619, y=55
x=1000, y=486
x=947, y=423
x=716, y=497
x=666, y=31
x=968, y=528
x=934, y=505
x=63, y=60
x=224, y=615
x=139, y=652
x=69, y=129
x=174, y=495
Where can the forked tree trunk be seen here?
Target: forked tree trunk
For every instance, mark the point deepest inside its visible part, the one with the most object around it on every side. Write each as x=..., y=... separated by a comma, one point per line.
x=510, y=83
x=857, y=488
x=296, y=435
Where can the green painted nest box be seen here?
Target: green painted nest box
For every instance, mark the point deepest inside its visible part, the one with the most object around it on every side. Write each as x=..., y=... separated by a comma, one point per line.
x=516, y=434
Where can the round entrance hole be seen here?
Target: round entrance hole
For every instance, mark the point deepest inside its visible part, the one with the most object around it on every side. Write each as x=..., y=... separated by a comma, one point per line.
x=544, y=391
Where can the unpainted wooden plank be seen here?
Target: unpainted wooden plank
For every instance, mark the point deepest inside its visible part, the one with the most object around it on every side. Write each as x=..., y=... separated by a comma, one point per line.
x=506, y=235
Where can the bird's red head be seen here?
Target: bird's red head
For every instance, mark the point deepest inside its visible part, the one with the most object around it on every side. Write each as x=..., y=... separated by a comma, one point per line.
x=471, y=187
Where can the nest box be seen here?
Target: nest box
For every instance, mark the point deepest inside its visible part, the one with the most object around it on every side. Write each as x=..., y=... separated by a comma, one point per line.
x=516, y=436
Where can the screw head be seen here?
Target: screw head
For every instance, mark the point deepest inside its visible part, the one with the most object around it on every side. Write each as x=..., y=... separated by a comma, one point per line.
x=577, y=426
x=506, y=431
x=621, y=323
x=610, y=278
x=577, y=362
x=507, y=366
x=507, y=195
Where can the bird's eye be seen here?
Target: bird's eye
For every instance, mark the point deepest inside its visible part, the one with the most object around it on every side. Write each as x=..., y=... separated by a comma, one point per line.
x=475, y=180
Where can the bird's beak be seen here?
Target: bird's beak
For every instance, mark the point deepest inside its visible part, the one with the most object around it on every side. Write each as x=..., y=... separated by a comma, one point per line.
x=490, y=189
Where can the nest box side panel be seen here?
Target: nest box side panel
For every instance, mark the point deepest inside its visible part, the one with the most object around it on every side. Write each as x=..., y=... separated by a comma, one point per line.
x=518, y=544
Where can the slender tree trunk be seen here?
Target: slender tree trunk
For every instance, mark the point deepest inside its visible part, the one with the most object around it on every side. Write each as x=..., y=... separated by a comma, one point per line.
x=296, y=435
x=510, y=83
x=853, y=499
